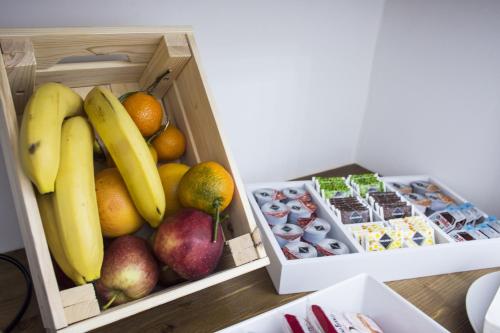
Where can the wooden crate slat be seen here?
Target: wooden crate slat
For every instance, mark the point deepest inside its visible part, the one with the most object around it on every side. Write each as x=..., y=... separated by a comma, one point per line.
x=208, y=135
x=242, y=249
x=173, y=102
x=51, y=49
x=80, y=311
x=20, y=64
x=83, y=293
x=172, y=54
x=30, y=224
x=162, y=297
x=91, y=73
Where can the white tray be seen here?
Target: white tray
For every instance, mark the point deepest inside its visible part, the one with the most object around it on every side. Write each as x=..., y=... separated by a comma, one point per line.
x=361, y=294
x=292, y=276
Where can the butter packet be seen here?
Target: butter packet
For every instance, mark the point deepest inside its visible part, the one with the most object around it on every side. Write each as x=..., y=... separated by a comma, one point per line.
x=418, y=238
x=416, y=231
x=360, y=230
x=381, y=240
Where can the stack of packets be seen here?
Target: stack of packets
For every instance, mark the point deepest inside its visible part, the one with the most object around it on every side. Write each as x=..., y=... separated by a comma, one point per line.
x=332, y=187
x=489, y=228
x=406, y=232
x=365, y=183
x=340, y=196
x=321, y=321
x=426, y=196
x=350, y=210
x=465, y=223
x=389, y=205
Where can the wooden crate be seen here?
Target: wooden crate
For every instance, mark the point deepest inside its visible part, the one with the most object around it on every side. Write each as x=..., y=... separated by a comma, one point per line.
x=123, y=59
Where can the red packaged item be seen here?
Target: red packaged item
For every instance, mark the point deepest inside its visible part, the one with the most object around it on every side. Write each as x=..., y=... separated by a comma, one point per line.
x=323, y=323
x=294, y=324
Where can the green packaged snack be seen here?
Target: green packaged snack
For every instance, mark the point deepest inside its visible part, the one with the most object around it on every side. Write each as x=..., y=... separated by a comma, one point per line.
x=366, y=183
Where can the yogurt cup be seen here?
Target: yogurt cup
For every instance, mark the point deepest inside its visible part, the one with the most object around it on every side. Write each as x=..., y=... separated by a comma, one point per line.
x=299, y=250
x=300, y=210
x=296, y=193
x=265, y=195
x=316, y=231
x=288, y=232
x=331, y=247
x=275, y=212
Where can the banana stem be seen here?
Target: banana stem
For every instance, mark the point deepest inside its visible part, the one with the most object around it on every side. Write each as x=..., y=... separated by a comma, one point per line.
x=107, y=305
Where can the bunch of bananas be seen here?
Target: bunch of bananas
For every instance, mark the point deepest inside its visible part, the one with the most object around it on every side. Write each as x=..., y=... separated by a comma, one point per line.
x=56, y=148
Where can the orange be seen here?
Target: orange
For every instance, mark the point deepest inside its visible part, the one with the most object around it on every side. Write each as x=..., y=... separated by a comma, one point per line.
x=206, y=186
x=117, y=212
x=145, y=111
x=170, y=144
x=171, y=174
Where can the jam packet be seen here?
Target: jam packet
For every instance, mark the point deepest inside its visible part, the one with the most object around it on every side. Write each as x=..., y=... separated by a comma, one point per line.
x=275, y=212
x=287, y=232
x=296, y=193
x=265, y=195
x=294, y=324
x=323, y=322
x=299, y=250
x=331, y=247
x=316, y=231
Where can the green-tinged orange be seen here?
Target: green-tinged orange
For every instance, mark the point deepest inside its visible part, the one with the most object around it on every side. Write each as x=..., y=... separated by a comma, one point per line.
x=206, y=186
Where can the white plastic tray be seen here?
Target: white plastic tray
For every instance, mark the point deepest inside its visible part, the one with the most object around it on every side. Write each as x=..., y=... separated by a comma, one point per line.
x=292, y=276
x=361, y=294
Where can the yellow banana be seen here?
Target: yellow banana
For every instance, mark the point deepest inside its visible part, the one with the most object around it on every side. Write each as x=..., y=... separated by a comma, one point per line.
x=129, y=151
x=75, y=200
x=40, y=135
x=45, y=205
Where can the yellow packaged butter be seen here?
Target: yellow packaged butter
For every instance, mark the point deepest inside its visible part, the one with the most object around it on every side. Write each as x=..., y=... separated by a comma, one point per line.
x=385, y=239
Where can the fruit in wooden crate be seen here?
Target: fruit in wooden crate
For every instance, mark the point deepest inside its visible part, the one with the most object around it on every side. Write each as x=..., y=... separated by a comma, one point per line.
x=208, y=187
x=153, y=152
x=145, y=111
x=171, y=174
x=117, y=213
x=168, y=277
x=129, y=271
x=40, y=134
x=170, y=144
x=184, y=243
x=129, y=151
x=75, y=203
x=46, y=208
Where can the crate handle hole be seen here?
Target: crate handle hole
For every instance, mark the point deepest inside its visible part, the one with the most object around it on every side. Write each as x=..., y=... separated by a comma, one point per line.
x=94, y=58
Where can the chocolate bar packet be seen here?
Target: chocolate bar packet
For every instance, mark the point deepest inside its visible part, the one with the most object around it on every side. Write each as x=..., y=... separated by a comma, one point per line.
x=350, y=215
x=395, y=210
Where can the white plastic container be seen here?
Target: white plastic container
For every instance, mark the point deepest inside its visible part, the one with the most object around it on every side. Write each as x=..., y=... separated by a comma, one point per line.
x=362, y=294
x=447, y=256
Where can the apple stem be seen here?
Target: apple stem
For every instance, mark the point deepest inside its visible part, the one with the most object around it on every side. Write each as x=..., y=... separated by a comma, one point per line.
x=107, y=305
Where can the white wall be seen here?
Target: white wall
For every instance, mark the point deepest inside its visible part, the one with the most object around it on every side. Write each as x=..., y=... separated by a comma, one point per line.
x=434, y=104
x=290, y=78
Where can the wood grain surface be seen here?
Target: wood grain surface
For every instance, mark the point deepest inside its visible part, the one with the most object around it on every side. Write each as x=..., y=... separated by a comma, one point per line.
x=442, y=297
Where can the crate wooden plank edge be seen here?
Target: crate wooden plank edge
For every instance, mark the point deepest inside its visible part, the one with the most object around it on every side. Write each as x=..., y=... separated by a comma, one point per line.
x=30, y=224
x=162, y=297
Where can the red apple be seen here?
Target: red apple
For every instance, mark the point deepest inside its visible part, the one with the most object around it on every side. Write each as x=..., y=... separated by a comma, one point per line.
x=168, y=277
x=184, y=243
x=129, y=271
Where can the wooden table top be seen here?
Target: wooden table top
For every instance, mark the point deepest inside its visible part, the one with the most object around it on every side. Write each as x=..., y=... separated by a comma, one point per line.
x=442, y=297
